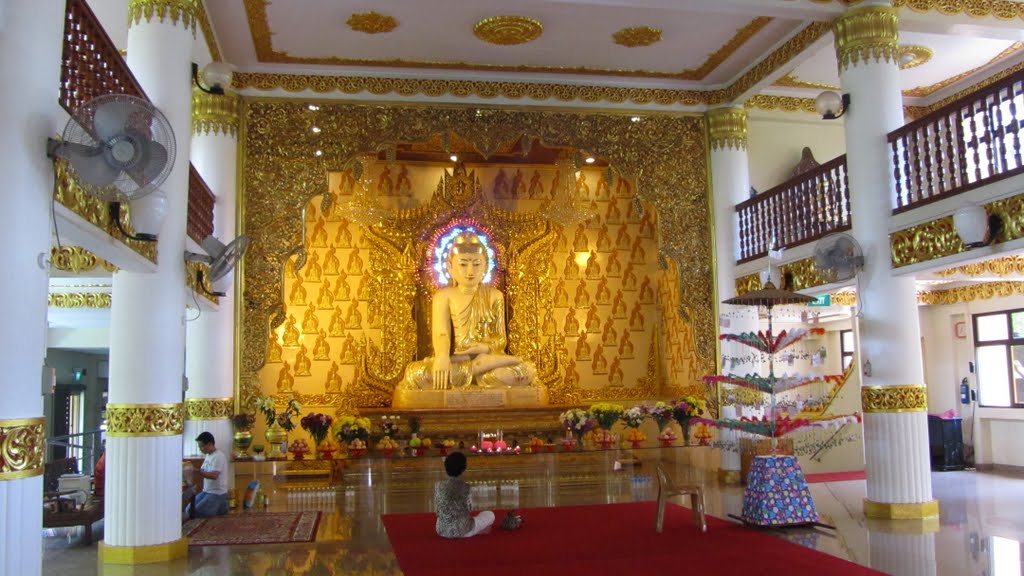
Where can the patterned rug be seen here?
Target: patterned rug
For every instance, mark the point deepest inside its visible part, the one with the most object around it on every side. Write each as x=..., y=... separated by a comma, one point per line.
x=252, y=528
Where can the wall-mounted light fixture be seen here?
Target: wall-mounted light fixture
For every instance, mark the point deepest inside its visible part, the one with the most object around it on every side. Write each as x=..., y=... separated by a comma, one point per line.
x=976, y=227
x=216, y=76
x=147, y=215
x=831, y=105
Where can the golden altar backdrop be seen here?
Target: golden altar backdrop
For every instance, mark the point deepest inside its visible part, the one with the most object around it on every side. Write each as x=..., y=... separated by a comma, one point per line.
x=619, y=306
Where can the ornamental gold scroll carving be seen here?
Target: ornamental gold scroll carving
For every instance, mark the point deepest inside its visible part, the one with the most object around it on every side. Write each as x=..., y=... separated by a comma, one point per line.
x=984, y=291
x=183, y=11
x=728, y=128
x=21, y=448
x=1005, y=266
x=867, y=34
x=77, y=259
x=79, y=300
x=902, y=398
x=145, y=419
x=281, y=177
x=208, y=408
x=215, y=113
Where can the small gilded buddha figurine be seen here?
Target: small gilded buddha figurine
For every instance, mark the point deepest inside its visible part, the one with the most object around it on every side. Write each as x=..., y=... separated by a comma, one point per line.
x=474, y=313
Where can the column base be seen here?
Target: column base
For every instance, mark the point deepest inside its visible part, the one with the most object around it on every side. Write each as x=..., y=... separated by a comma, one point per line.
x=729, y=477
x=143, y=554
x=913, y=511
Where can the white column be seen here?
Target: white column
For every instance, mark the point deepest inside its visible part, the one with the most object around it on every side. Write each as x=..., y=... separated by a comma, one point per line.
x=147, y=342
x=210, y=339
x=30, y=56
x=730, y=180
x=899, y=553
x=895, y=423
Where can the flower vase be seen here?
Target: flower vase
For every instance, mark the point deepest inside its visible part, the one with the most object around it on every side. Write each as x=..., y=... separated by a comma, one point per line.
x=685, y=426
x=242, y=440
x=277, y=437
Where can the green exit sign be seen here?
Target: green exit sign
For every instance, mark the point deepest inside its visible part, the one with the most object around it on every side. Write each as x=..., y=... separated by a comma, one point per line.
x=821, y=300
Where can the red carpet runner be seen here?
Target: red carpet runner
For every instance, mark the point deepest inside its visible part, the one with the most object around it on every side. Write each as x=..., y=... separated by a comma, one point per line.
x=252, y=528
x=605, y=539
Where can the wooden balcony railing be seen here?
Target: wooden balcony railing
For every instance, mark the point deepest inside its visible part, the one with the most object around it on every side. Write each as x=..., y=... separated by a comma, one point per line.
x=795, y=212
x=200, y=206
x=968, y=143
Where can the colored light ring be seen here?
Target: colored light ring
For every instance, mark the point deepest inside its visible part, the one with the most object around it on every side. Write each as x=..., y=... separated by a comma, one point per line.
x=442, y=248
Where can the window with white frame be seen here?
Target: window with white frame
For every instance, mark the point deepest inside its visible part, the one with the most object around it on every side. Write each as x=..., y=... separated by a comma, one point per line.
x=999, y=351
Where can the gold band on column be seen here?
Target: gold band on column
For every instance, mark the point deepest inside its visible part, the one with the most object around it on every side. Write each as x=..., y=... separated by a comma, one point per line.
x=21, y=448
x=867, y=33
x=215, y=113
x=900, y=398
x=137, y=420
x=208, y=408
x=914, y=511
x=143, y=554
x=727, y=128
x=183, y=11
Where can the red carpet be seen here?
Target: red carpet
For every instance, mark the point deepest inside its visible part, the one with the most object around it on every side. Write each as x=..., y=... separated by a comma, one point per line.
x=605, y=539
x=835, y=476
x=252, y=528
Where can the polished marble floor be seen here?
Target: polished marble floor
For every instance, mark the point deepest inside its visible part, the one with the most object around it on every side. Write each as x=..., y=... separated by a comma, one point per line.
x=979, y=533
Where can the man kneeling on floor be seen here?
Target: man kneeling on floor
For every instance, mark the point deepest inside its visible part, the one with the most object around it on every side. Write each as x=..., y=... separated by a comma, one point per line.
x=213, y=500
x=451, y=496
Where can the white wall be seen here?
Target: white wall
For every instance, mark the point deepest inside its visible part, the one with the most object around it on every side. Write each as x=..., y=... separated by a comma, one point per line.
x=775, y=142
x=996, y=432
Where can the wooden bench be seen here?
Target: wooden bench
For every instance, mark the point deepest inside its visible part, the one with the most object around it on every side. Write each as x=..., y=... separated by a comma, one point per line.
x=61, y=511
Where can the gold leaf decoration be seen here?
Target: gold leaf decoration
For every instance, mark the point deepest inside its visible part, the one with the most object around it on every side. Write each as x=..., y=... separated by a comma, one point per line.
x=913, y=55
x=866, y=34
x=371, y=22
x=137, y=420
x=1005, y=266
x=22, y=443
x=637, y=36
x=508, y=30
x=79, y=300
x=983, y=291
x=208, y=408
x=902, y=398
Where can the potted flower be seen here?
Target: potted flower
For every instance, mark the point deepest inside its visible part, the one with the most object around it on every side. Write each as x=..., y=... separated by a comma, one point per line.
x=576, y=421
x=243, y=435
x=279, y=424
x=606, y=414
x=684, y=409
x=389, y=425
x=349, y=429
x=661, y=413
x=318, y=425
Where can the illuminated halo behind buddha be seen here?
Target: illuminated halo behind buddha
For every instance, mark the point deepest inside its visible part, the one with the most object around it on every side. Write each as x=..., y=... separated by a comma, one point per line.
x=468, y=331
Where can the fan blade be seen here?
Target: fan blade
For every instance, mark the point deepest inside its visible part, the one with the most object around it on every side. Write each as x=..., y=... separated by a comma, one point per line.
x=90, y=165
x=155, y=157
x=110, y=118
x=214, y=247
x=228, y=258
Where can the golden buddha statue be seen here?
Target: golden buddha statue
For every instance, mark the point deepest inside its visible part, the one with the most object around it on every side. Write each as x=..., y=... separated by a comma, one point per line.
x=274, y=349
x=548, y=326
x=593, y=320
x=318, y=238
x=325, y=299
x=561, y=296
x=337, y=326
x=615, y=376
x=310, y=323
x=302, y=362
x=613, y=215
x=312, y=269
x=285, y=381
x=353, y=319
x=580, y=242
x=636, y=318
x=638, y=255
x=348, y=350
x=333, y=383
x=622, y=239
x=599, y=365
x=646, y=294
x=572, y=270
x=613, y=268
x=297, y=297
x=619, y=306
x=342, y=291
x=474, y=313
x=290, y=338
x=582, y=299
x=604, y=240
x=355, y=263
x=609, y=336
x=572, y=324
x=625, y=346
x=593, y=270
x=582, y=347
x=321, y=349
x=604, y=295
x=572, y=377
x=343, y=238
x=629, y=278
x=331, y=262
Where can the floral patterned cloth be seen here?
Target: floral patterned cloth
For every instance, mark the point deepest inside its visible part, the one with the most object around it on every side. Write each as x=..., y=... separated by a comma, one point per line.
x=451, y=496
x=777, y=493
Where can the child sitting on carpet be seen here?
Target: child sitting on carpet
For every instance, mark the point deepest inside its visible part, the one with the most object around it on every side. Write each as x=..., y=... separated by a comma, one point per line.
x=451, y=497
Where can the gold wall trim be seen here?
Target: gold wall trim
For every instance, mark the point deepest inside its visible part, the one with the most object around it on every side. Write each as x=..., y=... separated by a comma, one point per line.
x=1005, y=266
x=208, y=36
x=727, y=128
x=79, y=300
x=865, y=34
x=984, y=291
x=93, y=210
x=184, y=12
x=913, y=112
x=923, y=91
x=635, y=36
x=76, y=259
x=791, y=81
x=1001, y=9
x=216, y=114
x=508, y=30
x=371, y=22
x=22, y=443
x=747, y=283
x=915, y=511
x=937, y=238
x=899, y=398
x=209, y=408
x=143, y=554
x=138, y=420
x=844, y=298
x=739, y=39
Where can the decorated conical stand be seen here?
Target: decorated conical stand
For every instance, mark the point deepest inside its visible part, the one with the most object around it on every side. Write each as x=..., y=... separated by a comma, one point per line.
x=777, y=494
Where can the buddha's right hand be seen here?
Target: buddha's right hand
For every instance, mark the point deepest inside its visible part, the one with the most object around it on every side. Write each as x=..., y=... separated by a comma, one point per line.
x=441, y=372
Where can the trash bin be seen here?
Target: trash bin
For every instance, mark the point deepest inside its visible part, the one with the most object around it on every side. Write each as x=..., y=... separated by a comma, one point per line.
x=946, y=443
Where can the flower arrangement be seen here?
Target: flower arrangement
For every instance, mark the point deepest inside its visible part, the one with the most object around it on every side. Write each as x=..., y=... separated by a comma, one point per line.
x=317, y=424
x=661, y=413
x=576, y=420
x=243, y=422
x=687, y=407
x=606, y=414
x=349, y=428
x=634, y=417
x=389, y=425
x=265, y=404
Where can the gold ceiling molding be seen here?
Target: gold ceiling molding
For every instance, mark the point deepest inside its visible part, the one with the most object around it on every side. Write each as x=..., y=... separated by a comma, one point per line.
x=371, y=22
x=22, y=443
x=76, y=260
x=635, y=36
x=262, y=38
x=923, y=91
x=982, y=291
x=865, y=34
x=791, y=81
x=900, y=398
x=208, y=36
x=215, y=113
x=280, y=177
x=938, y=238
x=94, y=211
x=913, y=55
x=78, y=300
x=185, y=12
x=508, y=30
x=727, y=128
x=209, y=408
x=784, y=103
x=1001, y=9
x=1005, y=266
x=138, y=420
x=920, y=111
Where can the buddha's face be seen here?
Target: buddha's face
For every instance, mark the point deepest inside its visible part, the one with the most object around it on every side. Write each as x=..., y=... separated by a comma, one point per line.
x=468, y=270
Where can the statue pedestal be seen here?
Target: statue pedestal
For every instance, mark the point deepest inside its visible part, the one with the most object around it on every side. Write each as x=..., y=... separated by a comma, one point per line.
x=472, y=398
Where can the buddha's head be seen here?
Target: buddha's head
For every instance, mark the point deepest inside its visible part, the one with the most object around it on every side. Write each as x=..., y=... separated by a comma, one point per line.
x=467, y=260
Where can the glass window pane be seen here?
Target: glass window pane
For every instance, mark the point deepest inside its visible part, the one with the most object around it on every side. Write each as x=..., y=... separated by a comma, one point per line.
x=993, y=381
x=846, y=361
x=991, y=327
x=1017, y=324
x=847, y=336
x=1018, y=373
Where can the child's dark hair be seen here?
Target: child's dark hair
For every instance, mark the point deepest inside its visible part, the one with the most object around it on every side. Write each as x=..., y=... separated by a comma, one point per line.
x=205, y=438
x=455, y=464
